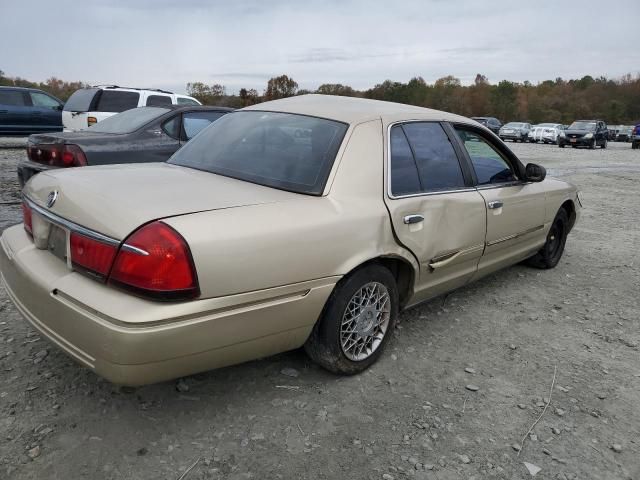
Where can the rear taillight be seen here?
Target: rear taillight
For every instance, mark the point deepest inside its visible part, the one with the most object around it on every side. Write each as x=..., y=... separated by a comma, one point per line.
x=57, y=155
x=27, y=217
x=155, y=261
x=92, y=256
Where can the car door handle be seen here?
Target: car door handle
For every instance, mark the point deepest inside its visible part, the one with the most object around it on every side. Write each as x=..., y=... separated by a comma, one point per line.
x=495, y=204
x=443, y=260
x=411, y=219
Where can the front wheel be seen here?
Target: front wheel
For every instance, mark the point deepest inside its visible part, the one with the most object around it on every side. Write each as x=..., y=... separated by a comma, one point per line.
x=551, y=252
x=593, y=144
x=604, y=145
x=356, y=322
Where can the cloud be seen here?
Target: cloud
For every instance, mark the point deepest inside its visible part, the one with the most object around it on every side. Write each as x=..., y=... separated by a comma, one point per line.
x=167, y=43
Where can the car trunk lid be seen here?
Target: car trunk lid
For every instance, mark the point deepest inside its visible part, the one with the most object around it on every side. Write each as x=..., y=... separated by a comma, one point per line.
x=114, y=200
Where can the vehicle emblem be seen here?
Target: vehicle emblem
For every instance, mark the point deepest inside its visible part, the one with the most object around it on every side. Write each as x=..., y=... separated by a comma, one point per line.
x=51, y=198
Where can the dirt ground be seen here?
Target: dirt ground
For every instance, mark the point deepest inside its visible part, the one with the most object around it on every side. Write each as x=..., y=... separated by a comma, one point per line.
x=410, y=415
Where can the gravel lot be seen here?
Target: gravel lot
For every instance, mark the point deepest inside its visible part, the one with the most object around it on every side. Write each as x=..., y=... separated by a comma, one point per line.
x=411, y=415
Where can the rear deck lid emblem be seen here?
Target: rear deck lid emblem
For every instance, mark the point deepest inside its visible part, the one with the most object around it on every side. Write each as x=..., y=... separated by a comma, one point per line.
x=51, y=198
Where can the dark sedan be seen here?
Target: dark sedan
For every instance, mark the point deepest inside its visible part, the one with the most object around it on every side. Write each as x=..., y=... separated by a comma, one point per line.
x=585, y=133
x=145, y=134
x=491, y=123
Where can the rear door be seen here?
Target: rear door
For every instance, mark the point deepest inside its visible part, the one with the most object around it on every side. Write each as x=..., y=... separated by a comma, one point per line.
x=14, y=112
x=515, y=208
x=435, y=210
x=46, y=112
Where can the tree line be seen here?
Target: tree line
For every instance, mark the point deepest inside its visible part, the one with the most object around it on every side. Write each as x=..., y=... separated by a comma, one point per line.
x=617, y=101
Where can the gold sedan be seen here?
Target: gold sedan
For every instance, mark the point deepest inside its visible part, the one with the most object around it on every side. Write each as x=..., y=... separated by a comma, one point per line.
x=309, y=221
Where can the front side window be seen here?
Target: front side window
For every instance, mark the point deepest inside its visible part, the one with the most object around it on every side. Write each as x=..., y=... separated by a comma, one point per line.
x=489, y=164
x=194, y=122
x=117, y=101
x=280, y=150
x=158, y=101
x=42, y=100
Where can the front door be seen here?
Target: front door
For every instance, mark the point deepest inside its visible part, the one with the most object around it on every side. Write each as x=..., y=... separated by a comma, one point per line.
x=515, y=208
x=436, y=212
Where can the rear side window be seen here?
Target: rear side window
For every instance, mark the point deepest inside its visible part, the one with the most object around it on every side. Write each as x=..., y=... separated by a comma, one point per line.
x=187, y=101
x=117, y=101
x=423, y=160
x=404, y=171
x=489, y=164
x=81, y=100
x=194, y=122
x=158, y=101
x=12, y=97
x=437, y=162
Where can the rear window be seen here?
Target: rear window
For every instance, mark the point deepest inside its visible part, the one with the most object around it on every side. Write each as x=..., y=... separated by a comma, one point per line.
x=12, y=97
x=81, y=100
x=280, y=150
x=158, y=101
x=117, y=101
x=129, y=121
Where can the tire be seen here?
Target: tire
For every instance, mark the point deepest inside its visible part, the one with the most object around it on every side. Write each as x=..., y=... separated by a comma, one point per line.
x=551, y=252
x=604, y=145
x=329, y=346
x=561, y=145
x=593, y=144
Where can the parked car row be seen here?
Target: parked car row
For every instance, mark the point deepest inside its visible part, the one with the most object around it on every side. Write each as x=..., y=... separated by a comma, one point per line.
x=144, y=134
x=581, y=133
x=307, y=221
x=24, y=111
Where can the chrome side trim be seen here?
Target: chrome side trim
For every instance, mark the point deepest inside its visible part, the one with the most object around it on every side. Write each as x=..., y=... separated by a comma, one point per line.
x=516, y=235
x=71, y=226
x=130, y=248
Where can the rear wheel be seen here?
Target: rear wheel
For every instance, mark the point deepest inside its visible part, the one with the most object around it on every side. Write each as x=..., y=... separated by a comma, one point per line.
x=551, y=252
x=561, y=145
x=356, y=322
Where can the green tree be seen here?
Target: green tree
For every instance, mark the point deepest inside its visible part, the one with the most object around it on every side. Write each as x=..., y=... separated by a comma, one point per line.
x=280, y=87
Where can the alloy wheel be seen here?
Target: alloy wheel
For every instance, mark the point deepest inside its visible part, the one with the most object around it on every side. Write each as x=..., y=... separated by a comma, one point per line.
x=365, y=321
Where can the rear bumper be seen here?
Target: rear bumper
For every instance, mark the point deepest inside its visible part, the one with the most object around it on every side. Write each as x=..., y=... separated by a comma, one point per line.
x=579, y=142
x=28, y=169
x=131, y=341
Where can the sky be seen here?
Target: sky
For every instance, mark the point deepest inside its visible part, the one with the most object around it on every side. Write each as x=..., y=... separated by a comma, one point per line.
x=243, y=43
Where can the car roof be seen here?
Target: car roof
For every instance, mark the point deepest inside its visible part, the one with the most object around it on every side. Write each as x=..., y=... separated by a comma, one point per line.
x=353, y=110
x=25, y=89
x=196, y=108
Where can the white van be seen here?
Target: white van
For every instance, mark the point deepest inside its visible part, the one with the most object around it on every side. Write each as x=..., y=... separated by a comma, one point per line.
x=88, y=106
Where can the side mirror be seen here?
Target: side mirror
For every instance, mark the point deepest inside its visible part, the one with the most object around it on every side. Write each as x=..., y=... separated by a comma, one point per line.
x=535, y=173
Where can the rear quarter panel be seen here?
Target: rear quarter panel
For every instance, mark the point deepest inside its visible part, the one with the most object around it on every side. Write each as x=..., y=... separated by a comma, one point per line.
x=256, y=247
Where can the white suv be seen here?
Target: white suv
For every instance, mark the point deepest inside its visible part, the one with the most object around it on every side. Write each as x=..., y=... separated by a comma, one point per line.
x=88, y=106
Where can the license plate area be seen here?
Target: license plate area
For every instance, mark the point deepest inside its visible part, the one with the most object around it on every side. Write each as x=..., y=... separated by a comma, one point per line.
x=573, y=140
x=58, y=242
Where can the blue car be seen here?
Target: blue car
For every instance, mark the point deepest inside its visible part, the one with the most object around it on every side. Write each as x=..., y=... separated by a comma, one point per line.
x=24, y=111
